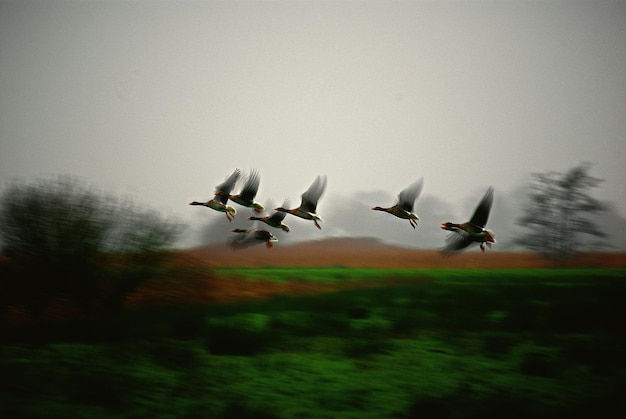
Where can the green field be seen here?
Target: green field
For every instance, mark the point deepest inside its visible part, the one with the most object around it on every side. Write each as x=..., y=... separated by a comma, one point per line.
x=429, y=344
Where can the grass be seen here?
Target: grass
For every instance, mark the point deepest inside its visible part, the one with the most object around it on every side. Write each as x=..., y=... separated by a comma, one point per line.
x=311, y=274
x=461, y=344
x=359, y=274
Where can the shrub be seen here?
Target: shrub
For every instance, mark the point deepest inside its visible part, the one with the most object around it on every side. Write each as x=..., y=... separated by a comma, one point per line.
x=64, y=238
x=243, y=334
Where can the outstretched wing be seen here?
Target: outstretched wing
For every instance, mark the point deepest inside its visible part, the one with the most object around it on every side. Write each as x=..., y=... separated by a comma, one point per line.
x=481, y=214
x=277, y=217
x=457, y=241
x=240, y=243
x=250, y=237
x=227, y=186
x=250, y=188
x=313, y=194
x=222, y=199
x=243, y=239
x=406, y=198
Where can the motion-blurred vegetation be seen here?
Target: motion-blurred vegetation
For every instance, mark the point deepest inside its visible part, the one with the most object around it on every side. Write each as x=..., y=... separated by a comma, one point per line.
x=491, y=344
x=556, y=222
x=64, y=240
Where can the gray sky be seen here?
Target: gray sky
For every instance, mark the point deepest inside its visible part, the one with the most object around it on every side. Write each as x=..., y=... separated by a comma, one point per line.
x=164, y=99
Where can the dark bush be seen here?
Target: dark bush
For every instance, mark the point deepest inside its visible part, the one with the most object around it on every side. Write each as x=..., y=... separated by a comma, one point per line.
x=243, y=410
x=62, y=238
x=498, y=344
x=245, y=334
x=175, y=354
x=363, y=347
x=540, y=364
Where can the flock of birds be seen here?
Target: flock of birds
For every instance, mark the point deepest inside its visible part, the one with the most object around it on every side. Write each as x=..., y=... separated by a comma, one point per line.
x=463, y=234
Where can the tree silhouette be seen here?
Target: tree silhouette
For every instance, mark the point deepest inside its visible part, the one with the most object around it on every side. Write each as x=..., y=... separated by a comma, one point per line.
x=64, y=239
x=555, y=221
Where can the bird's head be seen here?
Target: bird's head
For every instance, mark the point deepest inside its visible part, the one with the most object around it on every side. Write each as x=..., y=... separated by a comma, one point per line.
x=447, y=226
x=196, y=203
x=379, y=209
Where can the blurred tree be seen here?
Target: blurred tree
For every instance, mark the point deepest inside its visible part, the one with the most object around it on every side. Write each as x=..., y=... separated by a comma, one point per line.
x=64, y=239
x=555, y=223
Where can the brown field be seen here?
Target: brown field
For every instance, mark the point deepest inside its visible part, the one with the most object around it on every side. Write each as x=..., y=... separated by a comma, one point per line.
x=190, y=285
x=369, y=253
x=350, y=253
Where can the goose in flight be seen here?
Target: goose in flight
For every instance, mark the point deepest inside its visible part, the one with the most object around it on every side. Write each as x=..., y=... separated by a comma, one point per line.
x=220, y=200
x=308, y=206
x=404, y=205
x=472, y=231
x=275, y=220
x=252, y=236
x=248, y=193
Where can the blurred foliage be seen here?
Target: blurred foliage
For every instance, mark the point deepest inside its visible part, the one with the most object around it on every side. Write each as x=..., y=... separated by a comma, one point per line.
x=66, y=240
x=504, y=344
x=555, y=221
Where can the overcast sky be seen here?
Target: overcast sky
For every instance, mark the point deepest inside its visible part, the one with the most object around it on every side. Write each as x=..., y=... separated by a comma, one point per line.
x=164, y=99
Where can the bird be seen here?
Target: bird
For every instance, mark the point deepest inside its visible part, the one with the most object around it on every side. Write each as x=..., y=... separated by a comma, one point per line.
x=252, y=236
x=220, y=200
x=308, y=205
x=473, y=230
x=275, y=220
x=404, y=205
x=248, y=193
